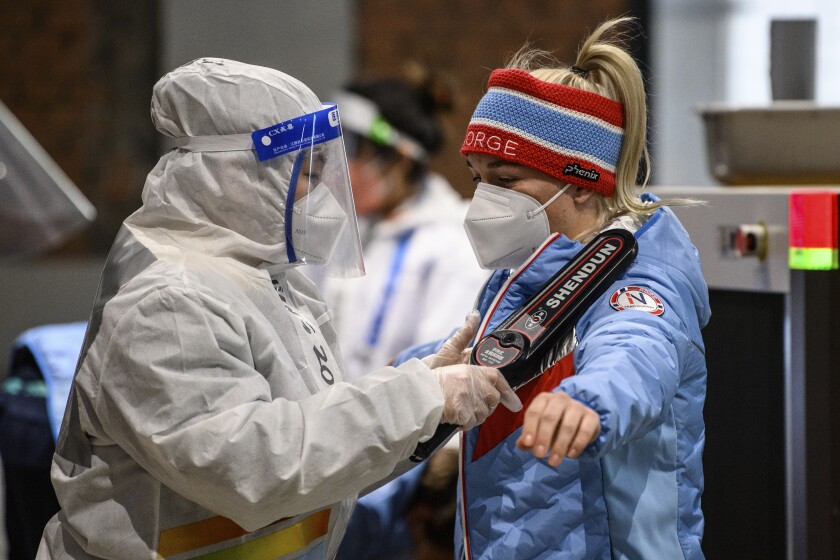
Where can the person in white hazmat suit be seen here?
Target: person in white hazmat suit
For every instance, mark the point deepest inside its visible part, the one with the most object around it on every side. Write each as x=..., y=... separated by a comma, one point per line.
x=208, y=417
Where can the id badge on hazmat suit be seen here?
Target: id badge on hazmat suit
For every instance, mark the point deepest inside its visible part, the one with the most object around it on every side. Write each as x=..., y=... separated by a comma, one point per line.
x=315, y=348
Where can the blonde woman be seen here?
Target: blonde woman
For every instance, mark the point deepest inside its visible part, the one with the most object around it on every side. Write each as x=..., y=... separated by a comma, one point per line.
x=604, y=461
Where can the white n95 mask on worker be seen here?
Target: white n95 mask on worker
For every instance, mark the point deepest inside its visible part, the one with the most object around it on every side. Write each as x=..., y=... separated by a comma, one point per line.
x=505, y=227
x=318, y=221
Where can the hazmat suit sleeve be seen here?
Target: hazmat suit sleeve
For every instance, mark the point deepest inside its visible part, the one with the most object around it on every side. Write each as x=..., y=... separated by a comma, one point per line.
x=179, y=394
x=628, y=366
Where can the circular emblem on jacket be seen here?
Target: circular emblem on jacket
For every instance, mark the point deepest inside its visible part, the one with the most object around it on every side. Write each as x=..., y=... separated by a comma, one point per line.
x=636, y=298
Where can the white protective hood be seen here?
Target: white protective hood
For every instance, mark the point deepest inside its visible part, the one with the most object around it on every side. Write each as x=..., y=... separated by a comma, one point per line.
x=225, y=203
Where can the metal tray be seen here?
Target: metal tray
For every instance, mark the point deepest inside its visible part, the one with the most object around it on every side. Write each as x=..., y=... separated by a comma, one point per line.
x=785, y=143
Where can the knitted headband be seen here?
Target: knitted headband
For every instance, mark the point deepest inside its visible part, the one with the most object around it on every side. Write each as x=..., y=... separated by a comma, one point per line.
x=568, y=133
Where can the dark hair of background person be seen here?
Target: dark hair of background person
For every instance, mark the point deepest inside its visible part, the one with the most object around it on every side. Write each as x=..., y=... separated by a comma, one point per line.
x=412, y=104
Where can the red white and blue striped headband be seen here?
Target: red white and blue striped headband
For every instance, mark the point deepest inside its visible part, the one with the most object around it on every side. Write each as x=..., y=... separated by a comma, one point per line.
x=568, y=133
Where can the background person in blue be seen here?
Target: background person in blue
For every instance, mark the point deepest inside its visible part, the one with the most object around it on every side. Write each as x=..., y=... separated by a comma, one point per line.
x=604, y=461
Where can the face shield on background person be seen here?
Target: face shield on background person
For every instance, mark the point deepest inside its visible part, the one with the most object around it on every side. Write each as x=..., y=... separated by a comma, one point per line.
x=362, y=118
x=320, y=219
x=366, y=133
x=368, y=172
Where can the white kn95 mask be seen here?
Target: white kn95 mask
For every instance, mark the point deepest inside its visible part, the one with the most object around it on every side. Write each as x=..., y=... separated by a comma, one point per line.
x=505, y=227
x=318, y=221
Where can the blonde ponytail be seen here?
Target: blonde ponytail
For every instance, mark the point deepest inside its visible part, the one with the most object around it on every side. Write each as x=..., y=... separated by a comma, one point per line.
x=604, y=66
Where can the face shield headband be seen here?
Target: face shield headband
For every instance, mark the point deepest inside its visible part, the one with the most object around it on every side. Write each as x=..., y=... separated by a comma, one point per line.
x=320, y=220
x=361, y=116
x=568, y=133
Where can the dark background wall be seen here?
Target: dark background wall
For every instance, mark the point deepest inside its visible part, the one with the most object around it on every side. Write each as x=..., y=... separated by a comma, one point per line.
x=78, y=74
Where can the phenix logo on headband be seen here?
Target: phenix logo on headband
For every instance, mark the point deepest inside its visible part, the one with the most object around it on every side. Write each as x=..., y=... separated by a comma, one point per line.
x=578, y=171
x=568, y=133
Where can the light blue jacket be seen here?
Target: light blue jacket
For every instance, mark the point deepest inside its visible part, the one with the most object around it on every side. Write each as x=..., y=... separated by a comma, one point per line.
x=635, y=492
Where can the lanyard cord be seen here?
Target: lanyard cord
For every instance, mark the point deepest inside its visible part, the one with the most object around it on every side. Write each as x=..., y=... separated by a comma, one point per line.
x=394, y=273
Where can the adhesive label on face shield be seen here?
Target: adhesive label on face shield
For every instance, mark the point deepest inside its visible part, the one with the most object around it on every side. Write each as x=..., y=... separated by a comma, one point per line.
x=636, y=298
x=301, y=132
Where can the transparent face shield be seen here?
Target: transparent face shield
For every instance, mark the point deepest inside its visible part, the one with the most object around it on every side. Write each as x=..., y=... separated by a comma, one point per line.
x=39, y=205
x=320, y=221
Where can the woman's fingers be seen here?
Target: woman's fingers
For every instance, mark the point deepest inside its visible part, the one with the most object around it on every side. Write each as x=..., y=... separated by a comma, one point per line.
x=590, y=427
x=559, y=426
x=531, y=422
